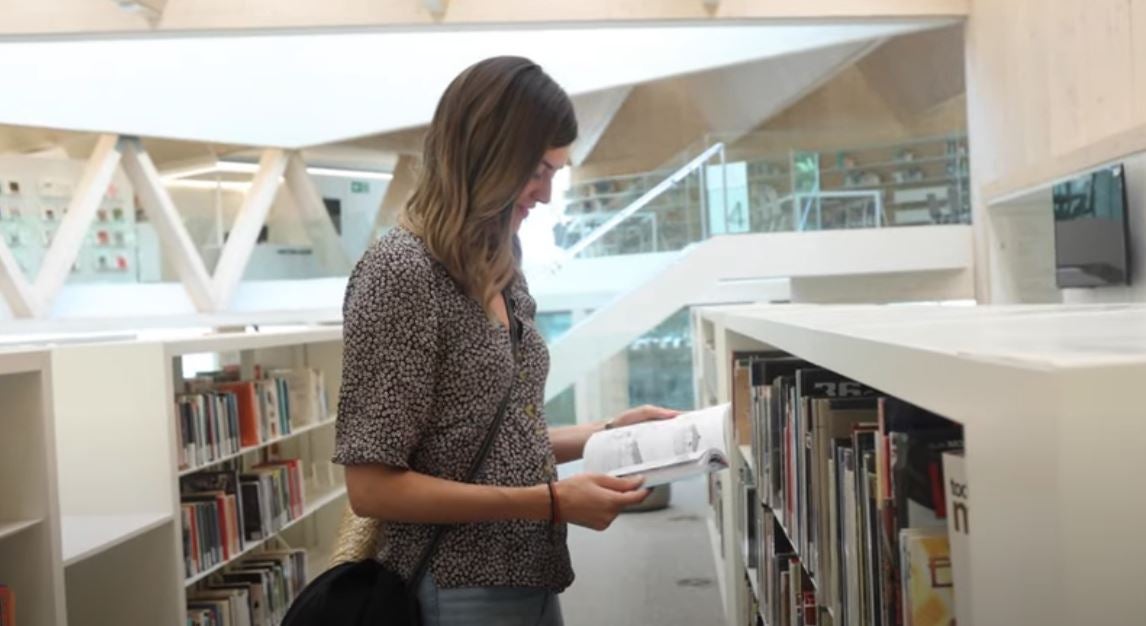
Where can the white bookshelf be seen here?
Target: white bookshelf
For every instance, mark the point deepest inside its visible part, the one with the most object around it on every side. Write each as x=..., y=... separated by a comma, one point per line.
x=85, y=536
x=117, y=443
x=29, y=514
x=1054, y=432
x=305, y=430
x=315, y=503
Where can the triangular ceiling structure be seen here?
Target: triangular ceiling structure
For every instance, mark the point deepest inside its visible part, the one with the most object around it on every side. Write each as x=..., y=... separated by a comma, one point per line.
x=303, y=89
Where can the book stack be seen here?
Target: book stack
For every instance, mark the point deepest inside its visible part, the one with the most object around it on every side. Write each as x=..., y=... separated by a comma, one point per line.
x=7, y=606
x=223, y=511
x=208, y=427
x=850, y=484
x=256, y=591
x=219, y=415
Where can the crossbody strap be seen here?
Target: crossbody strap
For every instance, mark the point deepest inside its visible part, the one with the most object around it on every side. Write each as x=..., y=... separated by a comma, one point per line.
x=483, y=452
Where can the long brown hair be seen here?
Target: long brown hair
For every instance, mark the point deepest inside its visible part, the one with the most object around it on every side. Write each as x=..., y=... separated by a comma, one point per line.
x=489, y=133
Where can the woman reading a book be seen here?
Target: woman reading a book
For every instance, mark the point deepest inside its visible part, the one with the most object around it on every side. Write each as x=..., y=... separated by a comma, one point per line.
x=429, y=362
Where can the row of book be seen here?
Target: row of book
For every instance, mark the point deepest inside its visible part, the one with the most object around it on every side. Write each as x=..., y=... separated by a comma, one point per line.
x=219, y=415
x=255, y=591
x=7, y=606
x=845, y=514
x=224, y=511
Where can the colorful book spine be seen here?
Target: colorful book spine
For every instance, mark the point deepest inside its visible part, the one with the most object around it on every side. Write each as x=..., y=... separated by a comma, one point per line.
x=7, y=606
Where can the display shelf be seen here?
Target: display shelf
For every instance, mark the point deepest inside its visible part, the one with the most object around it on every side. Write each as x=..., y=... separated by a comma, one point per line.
x=915, y=351
x=85, y=536
x=252, y=340
x=266, y=444
x=29, y=516
x=923, y=182
x=117, y=426
x=894, y=164
x=1052, y=427
x=323, y=499
x=11, y=529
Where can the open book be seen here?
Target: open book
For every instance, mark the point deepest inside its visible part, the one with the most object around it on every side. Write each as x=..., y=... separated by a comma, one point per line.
x=688, y=445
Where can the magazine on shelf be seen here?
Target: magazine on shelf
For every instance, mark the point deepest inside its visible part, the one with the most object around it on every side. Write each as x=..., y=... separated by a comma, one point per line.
x=691, y=444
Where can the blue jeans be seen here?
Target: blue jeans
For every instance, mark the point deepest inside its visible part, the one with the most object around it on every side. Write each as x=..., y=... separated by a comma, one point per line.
x=487, y=606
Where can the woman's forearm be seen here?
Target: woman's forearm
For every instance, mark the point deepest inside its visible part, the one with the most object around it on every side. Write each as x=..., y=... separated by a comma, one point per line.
x=569, y=441
x=397, y=495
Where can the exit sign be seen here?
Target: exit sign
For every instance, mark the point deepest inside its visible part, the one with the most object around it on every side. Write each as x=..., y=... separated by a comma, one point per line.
x=358, y=186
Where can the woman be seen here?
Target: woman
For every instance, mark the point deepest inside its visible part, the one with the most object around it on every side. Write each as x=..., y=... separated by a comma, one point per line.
x=428, y=360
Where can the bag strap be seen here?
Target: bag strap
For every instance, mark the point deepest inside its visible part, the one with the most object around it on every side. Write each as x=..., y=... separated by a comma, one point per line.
x=487, y=444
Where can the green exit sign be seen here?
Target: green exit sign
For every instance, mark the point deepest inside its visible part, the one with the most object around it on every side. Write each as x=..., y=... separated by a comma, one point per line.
x=358, y=186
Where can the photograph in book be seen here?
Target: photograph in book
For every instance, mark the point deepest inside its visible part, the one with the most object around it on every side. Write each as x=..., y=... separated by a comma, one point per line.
x=692, y=444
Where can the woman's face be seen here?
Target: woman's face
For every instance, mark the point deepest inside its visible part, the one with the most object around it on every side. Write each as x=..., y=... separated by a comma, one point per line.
x=540, y=184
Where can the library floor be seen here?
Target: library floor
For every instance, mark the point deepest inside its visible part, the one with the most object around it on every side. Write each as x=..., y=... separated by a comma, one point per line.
x=647, y=568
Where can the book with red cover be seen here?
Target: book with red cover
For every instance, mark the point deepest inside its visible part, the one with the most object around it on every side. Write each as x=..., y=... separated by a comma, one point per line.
x=7, y=606
x=250, y=415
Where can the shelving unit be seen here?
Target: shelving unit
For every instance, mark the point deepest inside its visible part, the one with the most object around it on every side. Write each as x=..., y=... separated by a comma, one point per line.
x=317, y=502
x=29, y=515
x=1052, y=426
x=117, y=444
x=262, y=446
x=85, y=536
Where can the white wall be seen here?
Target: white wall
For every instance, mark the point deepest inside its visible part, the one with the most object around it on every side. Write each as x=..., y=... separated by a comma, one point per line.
x=1053, y=89
x=1022, y=253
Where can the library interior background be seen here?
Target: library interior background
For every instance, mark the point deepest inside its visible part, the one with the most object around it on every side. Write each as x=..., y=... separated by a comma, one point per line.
x=904, y=240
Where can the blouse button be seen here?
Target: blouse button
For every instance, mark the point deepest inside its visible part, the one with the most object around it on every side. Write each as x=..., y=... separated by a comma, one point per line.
x=531, y=410
x=521, y=376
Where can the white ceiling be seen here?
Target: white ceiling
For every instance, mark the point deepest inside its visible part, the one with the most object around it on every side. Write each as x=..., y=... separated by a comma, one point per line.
x=304, y=89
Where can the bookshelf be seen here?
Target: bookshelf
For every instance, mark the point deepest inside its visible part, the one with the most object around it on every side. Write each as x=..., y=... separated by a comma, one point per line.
x=1053, y=436
x=29, y=517
x=117, y=442
x=85, y=536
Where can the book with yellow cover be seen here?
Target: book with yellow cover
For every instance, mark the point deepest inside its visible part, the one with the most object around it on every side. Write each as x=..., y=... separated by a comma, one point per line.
x=925, y=560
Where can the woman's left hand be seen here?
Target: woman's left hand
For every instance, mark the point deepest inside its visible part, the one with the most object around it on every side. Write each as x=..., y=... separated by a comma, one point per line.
x=640, y=414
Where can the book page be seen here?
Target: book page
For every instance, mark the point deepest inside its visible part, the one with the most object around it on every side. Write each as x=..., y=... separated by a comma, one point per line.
x=663, y=442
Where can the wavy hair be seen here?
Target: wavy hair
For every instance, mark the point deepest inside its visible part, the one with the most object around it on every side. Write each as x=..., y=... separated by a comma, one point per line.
x=489, y=133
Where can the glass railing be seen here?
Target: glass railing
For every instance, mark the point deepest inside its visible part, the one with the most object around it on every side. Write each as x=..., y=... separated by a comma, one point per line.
x=742, y=185
x=657, y=211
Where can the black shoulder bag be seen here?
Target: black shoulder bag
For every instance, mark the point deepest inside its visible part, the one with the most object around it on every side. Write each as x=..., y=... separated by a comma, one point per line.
x=366, y=593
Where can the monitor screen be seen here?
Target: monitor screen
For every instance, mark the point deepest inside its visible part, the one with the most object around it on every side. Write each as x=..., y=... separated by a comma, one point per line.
x=1090, y=232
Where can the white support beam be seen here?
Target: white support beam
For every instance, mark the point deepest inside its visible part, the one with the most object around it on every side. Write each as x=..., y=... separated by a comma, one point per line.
x=176, y=243
x=315, y=218
x=245, y=231
x=15, y=287
x=81, y=212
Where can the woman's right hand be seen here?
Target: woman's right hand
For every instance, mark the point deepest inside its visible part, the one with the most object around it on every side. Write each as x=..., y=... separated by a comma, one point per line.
x=595, y=500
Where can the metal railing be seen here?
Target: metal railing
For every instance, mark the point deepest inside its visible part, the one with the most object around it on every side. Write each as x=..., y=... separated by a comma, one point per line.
x=663, y=210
